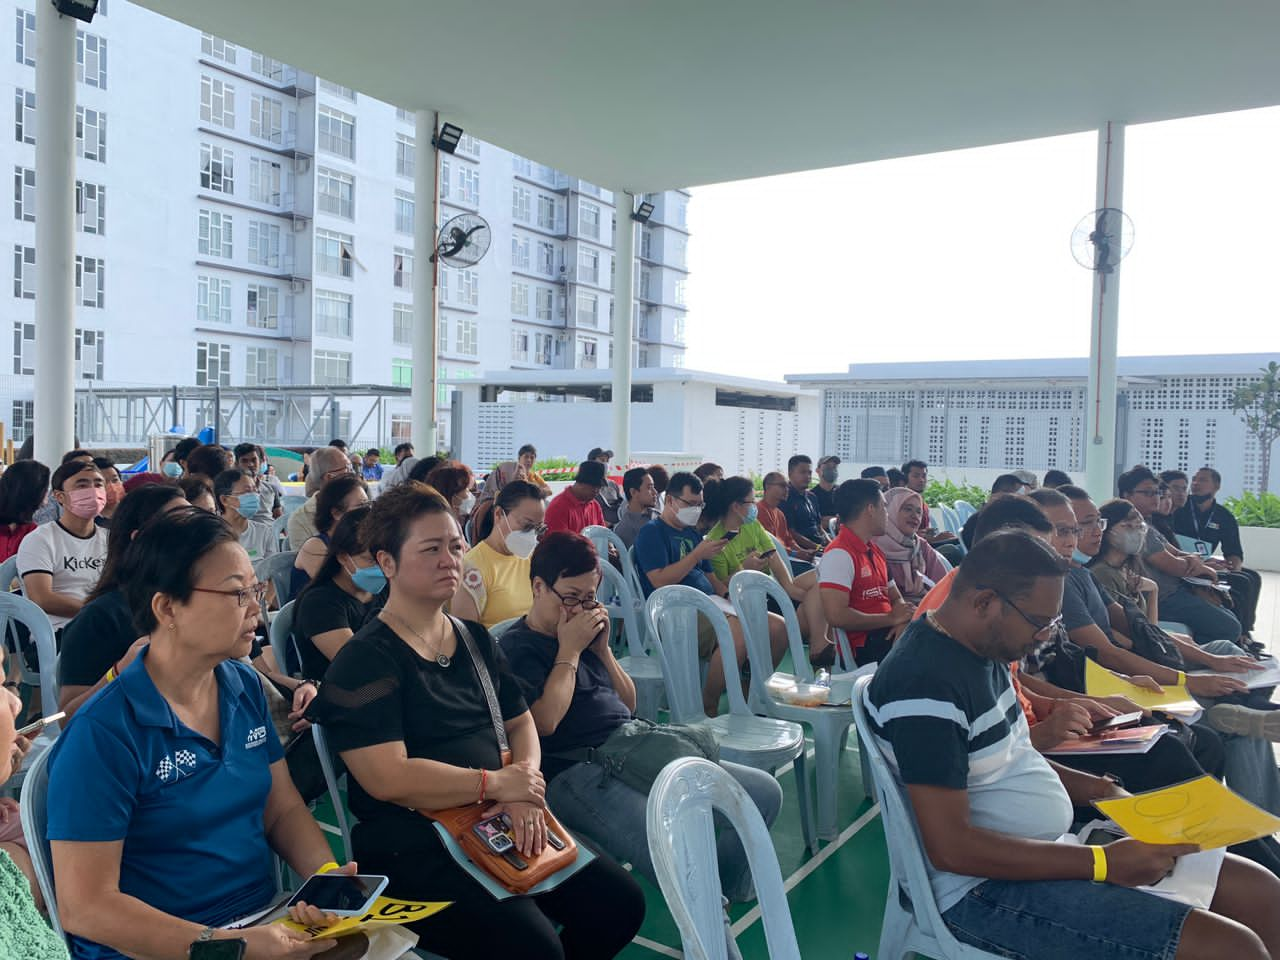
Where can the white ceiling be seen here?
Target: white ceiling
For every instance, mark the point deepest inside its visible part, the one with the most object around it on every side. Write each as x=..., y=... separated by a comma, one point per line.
x=655, y=94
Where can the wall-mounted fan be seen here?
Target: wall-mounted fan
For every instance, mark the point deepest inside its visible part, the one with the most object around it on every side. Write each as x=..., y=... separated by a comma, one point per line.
x=463, y=241
x=1102, y=239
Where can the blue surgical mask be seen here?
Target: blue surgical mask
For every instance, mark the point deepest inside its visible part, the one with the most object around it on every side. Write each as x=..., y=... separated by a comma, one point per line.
x=1080, y=558
x=248, y=504
x=172, y=470
x=262, y=470
x=752, y=513
x=369, y=579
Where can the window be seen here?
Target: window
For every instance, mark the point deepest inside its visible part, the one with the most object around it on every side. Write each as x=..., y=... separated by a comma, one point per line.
x=268, y=67
x=445, y=168
x=328, y=86
x=679, y=254
x=336, y=193
x=91, y=134
x=332, y=369
x=264, y=244
x=215, y=48
x=404, y=212
x=468, y=288
x=520, y=345
x=26, y=38
x=213, y=364
x=589, y=219
x=469, y=145
x=24, y=194
x=682, y=211
x=466, y=341
x=548, y=213
x=546, y=258
x=679, y=328
x=337, y=132
x=401, y=373
x=90, y=282
x=24, y=272
x=519, y=253
x=587, y=348
x=442, y=283
x=217, y=102
x=402, y=324
x=646, y=281
x=405, y=155
x=519, y=299
x=214, y=234
x=91, y=60
x=213, y=300
x=266, y=181
x=469, y=185
x=646, y=243
x=521, y=166
x=333, y=314
x=521, y=202
x=402, y=268
x=542, y=349
x=334, y=253
x=217, y=168
x=401, y=424
x=24, y=116
x=261, y=366
x=24, y=349
x=588, y=309
x=588, y=266
x=91, y=208
x=403, y=115
x=677, y=360
x=680, y=294
x=262, y=306
x=91, y=348
x=266, y=118
x=545, y=301
x=24, y=420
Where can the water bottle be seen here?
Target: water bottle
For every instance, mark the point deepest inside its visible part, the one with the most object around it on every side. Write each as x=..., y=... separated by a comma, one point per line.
x=823, y=679
x=861, y=956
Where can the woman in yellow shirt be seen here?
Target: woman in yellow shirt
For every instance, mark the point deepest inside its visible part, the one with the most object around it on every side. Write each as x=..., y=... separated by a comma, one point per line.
x=495, y=573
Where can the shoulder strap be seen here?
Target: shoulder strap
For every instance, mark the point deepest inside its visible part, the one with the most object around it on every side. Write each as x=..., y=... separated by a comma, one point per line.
x=486, y=682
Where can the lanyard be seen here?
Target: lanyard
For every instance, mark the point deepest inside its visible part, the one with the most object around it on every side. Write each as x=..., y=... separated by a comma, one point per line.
x=1195, y=518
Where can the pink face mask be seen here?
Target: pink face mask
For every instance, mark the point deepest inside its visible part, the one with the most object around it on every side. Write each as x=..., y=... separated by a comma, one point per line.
x=86, y=502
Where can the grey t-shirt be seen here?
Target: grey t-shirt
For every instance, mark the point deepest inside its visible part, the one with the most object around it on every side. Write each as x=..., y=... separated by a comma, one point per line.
x=629, y=524
x=1154, y=544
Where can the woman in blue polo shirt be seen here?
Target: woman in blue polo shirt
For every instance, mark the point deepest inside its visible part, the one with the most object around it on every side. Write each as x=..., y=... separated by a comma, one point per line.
x=169, y=790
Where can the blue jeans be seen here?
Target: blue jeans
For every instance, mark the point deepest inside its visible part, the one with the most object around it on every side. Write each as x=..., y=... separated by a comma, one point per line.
x=612, y=815
x=1067, y=920
x=1207, y=622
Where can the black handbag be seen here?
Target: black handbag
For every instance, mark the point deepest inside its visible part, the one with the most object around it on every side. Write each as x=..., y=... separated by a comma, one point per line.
x=1149, y=641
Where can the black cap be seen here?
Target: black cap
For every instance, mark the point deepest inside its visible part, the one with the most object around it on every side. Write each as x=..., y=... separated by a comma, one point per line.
x=591, y=472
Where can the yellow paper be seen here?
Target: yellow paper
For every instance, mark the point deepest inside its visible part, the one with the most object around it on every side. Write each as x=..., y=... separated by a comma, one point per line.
x=384, y=912
x=1200, y=811
x=1101, y=682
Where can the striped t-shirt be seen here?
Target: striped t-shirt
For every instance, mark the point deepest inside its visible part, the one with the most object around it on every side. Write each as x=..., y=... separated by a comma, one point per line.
x=946, y=717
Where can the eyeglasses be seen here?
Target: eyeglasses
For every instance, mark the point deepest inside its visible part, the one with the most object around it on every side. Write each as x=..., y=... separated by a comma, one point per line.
x=1099, y=522
x=257, y=591
x=586, y=603
x=1147, y=492
x=1073, y=532
x=1131, y=525
x=1043, y=629
x=687, y=503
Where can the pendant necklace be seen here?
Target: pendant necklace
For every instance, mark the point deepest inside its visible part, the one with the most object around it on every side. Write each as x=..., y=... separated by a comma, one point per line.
x=440, y=658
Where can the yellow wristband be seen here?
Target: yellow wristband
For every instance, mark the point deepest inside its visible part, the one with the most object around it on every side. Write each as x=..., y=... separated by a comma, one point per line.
x=1099, y=864
x=1182, y=679
x=111, y=674
x=331, y=866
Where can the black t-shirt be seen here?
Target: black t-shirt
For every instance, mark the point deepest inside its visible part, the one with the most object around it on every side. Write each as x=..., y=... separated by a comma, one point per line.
x=1214, y=526
x=99, y=635
x=379, y=690
x=321, y=608
x=595, y=711
x=826, y=501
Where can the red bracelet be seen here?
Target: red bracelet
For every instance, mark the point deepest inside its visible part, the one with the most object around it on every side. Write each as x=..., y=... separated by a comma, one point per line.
x=484, y=780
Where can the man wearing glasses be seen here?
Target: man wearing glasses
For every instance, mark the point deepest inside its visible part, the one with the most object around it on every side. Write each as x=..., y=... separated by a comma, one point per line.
x=771, y=517
x=327, y=463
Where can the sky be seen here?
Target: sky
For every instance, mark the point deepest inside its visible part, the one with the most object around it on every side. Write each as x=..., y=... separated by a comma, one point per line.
x=966, y=255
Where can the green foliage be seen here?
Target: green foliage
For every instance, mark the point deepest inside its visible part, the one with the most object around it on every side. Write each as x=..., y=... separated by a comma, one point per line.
x=1258, y=405
x=1255, y=510
x=555, y=463
x=947, y=493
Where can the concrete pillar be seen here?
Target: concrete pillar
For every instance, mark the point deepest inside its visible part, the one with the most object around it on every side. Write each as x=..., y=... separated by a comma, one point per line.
x=426, y=196
x=1100, y=401
x=55, y=234
x=624, y=245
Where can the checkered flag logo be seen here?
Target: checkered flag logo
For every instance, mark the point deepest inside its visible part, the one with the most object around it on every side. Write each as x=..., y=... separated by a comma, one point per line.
x=165, y=770
x=185, y=759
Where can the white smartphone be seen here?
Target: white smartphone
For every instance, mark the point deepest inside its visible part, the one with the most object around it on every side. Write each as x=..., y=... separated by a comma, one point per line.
x=340, y=894
x=34, y=728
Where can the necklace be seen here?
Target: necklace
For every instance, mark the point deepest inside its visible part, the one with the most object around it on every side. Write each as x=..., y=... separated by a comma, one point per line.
x=439, y=657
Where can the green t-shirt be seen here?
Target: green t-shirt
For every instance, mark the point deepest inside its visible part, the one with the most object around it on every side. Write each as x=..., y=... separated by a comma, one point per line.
x=752, y=536
x=23, y=932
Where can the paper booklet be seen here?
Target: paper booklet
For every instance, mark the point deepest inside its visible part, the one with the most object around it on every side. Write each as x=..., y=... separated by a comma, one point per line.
x=1194, y=878
x=1201, y=811
x=1128, y=740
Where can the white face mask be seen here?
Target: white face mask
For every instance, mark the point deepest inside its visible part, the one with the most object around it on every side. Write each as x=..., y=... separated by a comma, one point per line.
x=1129, y=541
x=468, y=503
x=520, y=543
x=689, y=515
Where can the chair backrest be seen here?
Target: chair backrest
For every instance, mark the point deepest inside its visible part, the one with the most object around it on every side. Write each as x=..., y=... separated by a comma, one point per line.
x=673, y=620
x=964, y=510
x=950, y=519
x=749, y=592
x=291, y=502
x=281, y=630
x=9, y=574
x=498, y=629
x=330, y=772
x=279, y=526
x=782, y=552
x=603, y=538
x=614, y=586
x=682, y=843
x=35, y=827
x=906, y=850
x=278, y=568
x=20, y=609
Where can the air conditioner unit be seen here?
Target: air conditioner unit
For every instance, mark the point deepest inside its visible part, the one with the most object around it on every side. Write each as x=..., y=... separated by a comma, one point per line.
x=297, y=285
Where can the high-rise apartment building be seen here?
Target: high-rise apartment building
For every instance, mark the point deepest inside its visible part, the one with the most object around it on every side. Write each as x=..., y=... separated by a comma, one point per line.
x=242, y=223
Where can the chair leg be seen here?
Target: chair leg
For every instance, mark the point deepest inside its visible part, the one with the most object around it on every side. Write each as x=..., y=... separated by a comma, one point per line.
x=868, y=785
x=806, y=806
x=895, y=930
x=827, y=777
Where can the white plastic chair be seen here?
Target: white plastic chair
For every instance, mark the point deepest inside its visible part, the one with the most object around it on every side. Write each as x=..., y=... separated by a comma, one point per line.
x=964, y=510
x=331, y=785
x=281, y=631
x=918, y=926
x=9, y=573
x=291, y=502
x=644, y=669
x=498, y=629
x=603, y=538
x=765, y=743
x=35, y=826
x=278, y=568
x=1174, y=626
x=749, y=592
x=278, y=527
x=682, y=843
x=20, y=609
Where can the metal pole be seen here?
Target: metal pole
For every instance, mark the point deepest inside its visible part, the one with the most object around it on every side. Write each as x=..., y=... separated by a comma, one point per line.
x=55, y=234
x=624, y=244
x=426, y=193
x=217, y=414
x=1100, y=406
x=174, y=400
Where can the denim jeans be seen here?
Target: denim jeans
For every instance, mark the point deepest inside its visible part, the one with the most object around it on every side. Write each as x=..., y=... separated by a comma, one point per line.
x=1067, y=920
x=612, y=815
x=1207, y=622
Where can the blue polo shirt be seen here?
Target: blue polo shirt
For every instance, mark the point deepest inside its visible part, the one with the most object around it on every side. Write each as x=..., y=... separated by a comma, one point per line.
x=190, y=812
x=659, y=545
x=803, y=515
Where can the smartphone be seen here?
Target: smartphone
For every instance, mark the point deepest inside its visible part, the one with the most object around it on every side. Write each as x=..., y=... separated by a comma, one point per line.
x=217, y=950
x=1100, y=837
x=493, y=831
x=555, y=841
x=1114, y=723
x=34, y=728
x=340, y=894
x=730, y=534
x=767, y=554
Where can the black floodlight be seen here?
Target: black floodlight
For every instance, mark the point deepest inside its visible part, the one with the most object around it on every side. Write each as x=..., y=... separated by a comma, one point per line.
x=448, y=137
x=80, y=9
x=643, y=212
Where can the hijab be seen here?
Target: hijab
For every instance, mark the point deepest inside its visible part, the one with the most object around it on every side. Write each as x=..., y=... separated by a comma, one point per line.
x=904, y=552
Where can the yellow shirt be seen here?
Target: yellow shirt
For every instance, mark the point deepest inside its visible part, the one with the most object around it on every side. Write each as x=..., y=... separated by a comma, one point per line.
x=499, y=585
